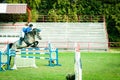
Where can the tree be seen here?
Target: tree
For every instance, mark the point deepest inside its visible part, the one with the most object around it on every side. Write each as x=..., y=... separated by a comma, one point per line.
x=69, y=10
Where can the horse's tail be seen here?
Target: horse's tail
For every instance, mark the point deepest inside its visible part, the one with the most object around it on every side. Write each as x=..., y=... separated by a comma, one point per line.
x=7, y=51
x=10, y=45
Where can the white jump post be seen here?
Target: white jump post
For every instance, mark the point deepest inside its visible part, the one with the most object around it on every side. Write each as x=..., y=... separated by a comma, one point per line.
x=78, y=64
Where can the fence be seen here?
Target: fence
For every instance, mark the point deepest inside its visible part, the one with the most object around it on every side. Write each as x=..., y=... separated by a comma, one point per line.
x=68, y=45
x=70, y=18
x=53, y=18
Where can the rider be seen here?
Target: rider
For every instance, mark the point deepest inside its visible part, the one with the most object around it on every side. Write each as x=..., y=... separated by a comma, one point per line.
x=24, y=31
x=28, y=29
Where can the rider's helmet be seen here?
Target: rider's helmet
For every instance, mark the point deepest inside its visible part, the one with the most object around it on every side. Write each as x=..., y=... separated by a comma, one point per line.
x=30, y=25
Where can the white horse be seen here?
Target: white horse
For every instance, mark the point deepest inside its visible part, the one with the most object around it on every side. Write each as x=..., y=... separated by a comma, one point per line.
x=27, y=41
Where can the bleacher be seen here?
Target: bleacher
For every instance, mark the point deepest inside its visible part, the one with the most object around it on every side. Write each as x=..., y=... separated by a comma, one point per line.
x=64, y=35
x=91, y=36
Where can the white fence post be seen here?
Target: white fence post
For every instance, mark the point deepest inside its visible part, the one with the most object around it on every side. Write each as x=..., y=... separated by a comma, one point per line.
x=78, y=64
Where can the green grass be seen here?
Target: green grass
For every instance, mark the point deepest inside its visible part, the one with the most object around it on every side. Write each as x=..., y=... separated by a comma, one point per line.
x=95, y=66
x=101, y=66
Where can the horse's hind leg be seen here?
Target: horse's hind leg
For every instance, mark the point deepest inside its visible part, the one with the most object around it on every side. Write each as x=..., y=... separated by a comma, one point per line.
x=10, y=60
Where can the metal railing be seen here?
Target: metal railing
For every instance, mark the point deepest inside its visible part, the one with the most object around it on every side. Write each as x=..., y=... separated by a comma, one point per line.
x=70, y=45
x=70, y=18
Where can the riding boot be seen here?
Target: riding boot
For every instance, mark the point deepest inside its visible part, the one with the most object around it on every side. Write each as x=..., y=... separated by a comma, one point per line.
x=20, y=41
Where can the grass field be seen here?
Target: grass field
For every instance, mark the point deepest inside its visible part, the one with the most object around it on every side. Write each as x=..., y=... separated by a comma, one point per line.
x=95, y=66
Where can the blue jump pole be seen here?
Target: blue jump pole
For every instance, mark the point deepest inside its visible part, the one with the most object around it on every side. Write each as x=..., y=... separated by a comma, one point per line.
x=35, y=53
x=0, y=61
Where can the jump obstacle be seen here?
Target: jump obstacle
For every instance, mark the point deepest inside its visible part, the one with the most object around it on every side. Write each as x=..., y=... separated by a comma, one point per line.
x=34, y=53
x=5, y=58
x=78, y=63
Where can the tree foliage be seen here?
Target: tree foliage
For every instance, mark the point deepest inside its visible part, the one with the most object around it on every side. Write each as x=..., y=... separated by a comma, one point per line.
x=69, y=10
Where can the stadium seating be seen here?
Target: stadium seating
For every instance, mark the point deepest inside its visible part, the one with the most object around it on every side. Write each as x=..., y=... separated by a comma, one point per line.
x=91, y=36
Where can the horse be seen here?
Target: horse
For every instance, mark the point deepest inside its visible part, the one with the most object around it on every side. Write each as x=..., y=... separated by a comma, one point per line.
x=27, y=41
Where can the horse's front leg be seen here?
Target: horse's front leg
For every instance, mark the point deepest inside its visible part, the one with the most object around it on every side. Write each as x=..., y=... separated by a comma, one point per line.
x=35, y=44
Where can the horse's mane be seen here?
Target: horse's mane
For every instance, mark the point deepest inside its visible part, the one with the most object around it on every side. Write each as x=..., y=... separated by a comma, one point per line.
x=33, y=32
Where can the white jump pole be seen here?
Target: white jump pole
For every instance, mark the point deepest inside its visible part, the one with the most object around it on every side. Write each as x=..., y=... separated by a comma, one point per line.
x=78, y=64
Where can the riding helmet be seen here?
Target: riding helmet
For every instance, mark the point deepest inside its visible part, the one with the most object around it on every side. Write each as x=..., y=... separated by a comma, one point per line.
x=30, y=25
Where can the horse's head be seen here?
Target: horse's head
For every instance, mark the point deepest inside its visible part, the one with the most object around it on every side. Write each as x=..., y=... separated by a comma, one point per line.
x=37, y=33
